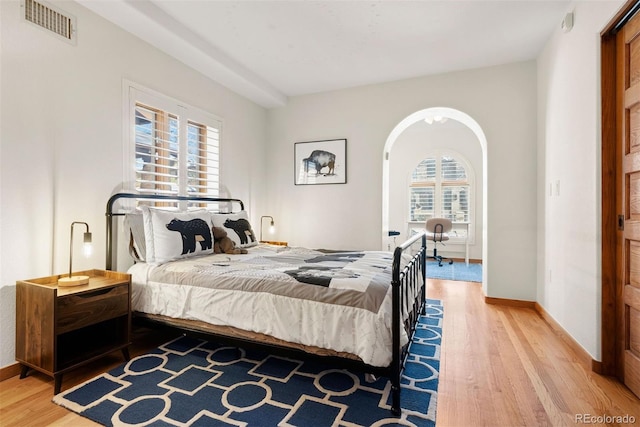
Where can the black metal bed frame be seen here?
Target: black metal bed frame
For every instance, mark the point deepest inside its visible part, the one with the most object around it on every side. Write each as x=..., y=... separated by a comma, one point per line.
x=408, y=297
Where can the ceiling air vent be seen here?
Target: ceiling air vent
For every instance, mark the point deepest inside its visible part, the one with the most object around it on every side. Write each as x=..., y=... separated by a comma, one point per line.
x=50, y=18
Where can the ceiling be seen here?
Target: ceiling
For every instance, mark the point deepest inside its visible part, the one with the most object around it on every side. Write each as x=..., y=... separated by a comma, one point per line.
x=270, y=50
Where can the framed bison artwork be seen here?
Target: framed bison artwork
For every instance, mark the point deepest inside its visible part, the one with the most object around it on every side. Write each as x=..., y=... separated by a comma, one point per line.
x=320, y=162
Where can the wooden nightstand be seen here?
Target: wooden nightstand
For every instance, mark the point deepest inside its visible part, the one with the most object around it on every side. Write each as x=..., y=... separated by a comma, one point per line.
x=60, y=328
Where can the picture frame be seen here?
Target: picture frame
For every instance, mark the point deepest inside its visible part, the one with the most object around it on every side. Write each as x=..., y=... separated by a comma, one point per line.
x=320, y=162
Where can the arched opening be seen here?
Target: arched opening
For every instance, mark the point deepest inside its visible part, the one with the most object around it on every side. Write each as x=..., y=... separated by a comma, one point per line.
x=395, y=135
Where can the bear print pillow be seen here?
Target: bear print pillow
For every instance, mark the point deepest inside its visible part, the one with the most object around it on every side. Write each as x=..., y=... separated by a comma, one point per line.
x=237, y=227
x=171, y=235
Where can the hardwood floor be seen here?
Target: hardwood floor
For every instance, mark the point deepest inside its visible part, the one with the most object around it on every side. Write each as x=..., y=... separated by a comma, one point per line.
x=504, y=366
x=500, y=366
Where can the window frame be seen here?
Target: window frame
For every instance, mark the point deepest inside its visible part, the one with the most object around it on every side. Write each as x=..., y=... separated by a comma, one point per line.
x=135, y=94
x=438, y=185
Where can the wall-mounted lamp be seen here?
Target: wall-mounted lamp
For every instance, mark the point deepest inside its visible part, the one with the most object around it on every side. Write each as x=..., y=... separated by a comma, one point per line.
x=272, y=226
x=72, y=280
x=437, y=119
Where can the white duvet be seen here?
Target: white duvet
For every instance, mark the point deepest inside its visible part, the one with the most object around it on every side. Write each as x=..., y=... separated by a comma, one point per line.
x=251, y=292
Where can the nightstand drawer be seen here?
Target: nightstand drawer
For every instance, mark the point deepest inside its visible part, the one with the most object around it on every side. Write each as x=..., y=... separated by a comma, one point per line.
x=82, y=309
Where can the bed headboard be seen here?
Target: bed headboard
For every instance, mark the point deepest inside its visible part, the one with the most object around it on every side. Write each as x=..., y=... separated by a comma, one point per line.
x=120, y=204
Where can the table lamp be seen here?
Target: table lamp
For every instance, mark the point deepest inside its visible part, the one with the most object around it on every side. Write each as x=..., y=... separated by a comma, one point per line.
x=271, y=227
x=72, y=280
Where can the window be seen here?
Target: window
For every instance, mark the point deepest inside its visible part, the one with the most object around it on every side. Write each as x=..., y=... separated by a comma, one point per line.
x=175, y=147
x=441, y=188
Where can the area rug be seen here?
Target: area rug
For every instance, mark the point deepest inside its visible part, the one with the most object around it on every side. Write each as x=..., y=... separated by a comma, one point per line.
x=458, y=271
x=189, y=382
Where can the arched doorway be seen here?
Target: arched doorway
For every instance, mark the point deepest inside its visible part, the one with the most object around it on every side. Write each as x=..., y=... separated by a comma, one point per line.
x=401, y=127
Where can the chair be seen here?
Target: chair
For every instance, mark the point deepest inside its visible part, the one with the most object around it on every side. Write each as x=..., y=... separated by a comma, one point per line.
x=437, y=229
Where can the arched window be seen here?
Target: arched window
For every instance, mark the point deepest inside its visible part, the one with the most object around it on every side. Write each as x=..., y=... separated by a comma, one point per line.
x=441, y=187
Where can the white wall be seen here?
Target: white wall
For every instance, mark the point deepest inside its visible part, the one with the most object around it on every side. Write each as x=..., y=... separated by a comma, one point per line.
x=501, y=99
x=414, y=145
x=569, y=192
x=62, y=149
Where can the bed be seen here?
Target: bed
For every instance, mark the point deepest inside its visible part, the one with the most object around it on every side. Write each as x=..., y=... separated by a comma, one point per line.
x=357, y=309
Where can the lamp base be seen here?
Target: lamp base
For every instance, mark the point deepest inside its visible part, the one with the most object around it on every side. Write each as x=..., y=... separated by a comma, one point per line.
x=73, y=280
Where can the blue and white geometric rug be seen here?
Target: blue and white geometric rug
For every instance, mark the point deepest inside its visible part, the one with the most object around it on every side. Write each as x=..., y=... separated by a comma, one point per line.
x=458, y=271
x=189, y=382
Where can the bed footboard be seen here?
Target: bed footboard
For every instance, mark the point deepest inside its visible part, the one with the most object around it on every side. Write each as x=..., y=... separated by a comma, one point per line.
x=409, y=294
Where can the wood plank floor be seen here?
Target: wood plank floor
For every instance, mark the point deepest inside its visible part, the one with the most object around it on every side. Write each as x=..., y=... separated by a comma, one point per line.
x=504, y=366
x=500, y=366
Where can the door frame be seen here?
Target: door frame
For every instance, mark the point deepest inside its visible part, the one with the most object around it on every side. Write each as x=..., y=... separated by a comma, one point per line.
x=612, y=343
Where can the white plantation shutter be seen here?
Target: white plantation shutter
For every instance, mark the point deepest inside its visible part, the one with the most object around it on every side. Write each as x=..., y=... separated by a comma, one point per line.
x=454, y=191
x=452, y=170
x=156, y=151
x=423, y=190
x=203, y=159
x=176, y=148
x=422, y=203
x=425, y=171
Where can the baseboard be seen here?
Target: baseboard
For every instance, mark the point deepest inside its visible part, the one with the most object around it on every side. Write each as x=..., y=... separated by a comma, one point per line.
x=583, y=356
x=597, y=367
x=9, y=371
x=509, y=302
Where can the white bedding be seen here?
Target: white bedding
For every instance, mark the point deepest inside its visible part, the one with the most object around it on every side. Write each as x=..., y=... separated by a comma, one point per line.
x=216, y=295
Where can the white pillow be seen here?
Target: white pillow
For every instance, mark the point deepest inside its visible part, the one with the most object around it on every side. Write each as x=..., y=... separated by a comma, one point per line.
x=237, y=227
x=171, y=235
x=134, y=223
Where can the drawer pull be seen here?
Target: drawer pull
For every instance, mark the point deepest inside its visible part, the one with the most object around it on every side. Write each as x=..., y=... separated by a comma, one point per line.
x=95, y=293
